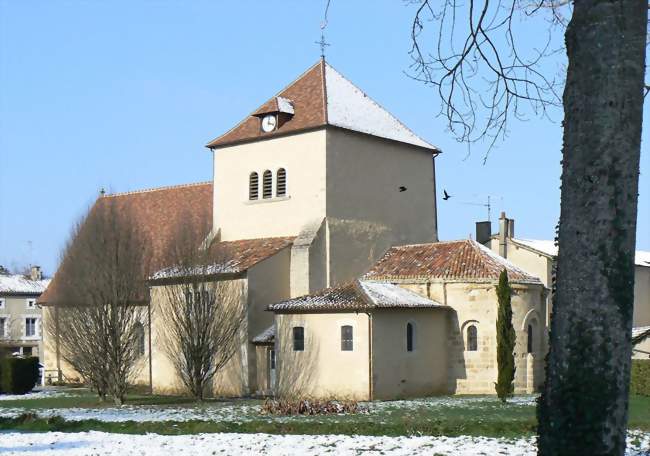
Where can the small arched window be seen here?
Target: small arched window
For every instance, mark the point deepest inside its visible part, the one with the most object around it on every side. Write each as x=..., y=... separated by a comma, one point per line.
x=472, y=338
x=346, y=338
x=253, y=186
x=530, y=339
x=267, y=184
x=410, y=333
x=140, y=341
x=298, y=338
x=281, y=182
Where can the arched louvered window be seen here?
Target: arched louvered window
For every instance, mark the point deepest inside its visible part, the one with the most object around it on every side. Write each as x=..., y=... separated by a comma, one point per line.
x=409, y=337
x=472, y=338
x=267, y=184
x=530, y=339
x=281, y=182
x=253, y=186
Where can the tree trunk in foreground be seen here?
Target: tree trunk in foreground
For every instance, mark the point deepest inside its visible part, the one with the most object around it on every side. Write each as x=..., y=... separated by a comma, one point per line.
x=585, y=399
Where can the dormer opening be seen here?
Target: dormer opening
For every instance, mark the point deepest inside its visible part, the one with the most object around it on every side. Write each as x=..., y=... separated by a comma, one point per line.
x=275, y=114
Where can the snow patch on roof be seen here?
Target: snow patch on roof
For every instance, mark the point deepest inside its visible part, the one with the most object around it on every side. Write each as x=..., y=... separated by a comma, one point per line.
x=641, y=257
x=541, y=245
x=18, y=283
x=388, y=295
x=348, y=107
x=266, y=336
x=285, y=105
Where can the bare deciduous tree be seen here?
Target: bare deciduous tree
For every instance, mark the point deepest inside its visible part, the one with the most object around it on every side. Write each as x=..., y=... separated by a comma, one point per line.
x=102, y=299
x=201, y=312
x=482, y=78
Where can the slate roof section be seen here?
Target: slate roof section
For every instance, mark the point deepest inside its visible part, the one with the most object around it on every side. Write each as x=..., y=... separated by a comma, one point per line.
x=639, y=334
x=266, y=337
x=319, y=97
x=464, y=260
x=548, y=248
x=18, y=284
x=358, y=295
x=158, y=212
x=232, y=257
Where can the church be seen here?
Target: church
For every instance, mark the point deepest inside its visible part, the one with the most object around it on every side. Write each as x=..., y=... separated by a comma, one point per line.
x=323, y=209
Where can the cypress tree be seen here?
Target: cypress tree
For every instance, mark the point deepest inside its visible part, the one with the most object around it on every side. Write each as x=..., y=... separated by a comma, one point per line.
x=506, y=338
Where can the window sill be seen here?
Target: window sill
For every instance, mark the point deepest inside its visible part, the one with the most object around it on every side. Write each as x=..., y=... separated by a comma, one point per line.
x=268, y=200
x=30, y=338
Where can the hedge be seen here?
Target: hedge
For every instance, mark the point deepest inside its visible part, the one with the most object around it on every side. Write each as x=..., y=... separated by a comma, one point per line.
x=640, y=381
x=18, y=375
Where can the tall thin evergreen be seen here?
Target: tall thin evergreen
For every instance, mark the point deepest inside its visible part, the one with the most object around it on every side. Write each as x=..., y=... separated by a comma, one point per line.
x=506, y=339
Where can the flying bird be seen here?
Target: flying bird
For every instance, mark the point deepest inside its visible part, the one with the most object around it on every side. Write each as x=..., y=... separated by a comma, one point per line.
x=446, y=195
x=402, y=188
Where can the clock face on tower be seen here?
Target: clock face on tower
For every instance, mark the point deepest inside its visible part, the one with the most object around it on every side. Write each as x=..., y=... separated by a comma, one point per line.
x=269, y=122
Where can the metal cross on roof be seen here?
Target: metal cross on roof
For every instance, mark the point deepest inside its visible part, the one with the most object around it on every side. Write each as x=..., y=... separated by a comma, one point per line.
x=323, y=44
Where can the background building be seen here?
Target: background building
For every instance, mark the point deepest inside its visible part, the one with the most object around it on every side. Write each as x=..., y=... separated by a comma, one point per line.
x=21, y=329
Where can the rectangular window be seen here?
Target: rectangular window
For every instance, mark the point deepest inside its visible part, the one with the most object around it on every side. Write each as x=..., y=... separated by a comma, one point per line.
x=31, y=303
x=298, y=338
x=2, y=326
x=346, y=338
x=2, y=303
x=30, y=327
x=27, y=351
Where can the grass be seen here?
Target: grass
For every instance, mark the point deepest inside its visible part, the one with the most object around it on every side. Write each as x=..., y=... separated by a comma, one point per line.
x=454, y=417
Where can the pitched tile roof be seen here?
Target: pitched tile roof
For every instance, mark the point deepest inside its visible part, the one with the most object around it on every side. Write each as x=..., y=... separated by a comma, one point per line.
x=356, y=295
x=232, y=257
x=18, y=284
x=322, y=96
x=158, y=212
x=452, y=260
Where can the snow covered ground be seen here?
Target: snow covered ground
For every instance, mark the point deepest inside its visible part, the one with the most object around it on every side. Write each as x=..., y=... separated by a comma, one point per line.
x=232, y=413
x=36, y=394
x=241, y=412
x=105, y=444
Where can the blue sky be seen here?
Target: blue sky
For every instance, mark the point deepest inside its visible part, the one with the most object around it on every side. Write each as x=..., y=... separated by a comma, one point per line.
x=124, y=95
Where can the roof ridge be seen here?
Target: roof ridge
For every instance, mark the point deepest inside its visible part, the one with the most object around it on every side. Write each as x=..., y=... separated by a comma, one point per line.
x=155, y=189
x=430, y=243
x=258, y=107
x=376, y=103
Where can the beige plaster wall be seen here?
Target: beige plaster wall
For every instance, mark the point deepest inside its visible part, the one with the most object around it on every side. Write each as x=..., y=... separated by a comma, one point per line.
x=54, y=361
x=323, y=369
x=303, y=157
x=230, y=381
x=642, y=350
x=268, y=283
x=364, y=204
x=641, y=296
x=398, y=373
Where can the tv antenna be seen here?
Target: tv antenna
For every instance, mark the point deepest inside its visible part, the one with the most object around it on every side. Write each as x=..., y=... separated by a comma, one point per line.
x=487, y=205
x=322, y=43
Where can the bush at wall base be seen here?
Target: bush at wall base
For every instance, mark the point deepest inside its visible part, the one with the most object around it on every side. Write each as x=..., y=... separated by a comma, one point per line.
x=640, y=378
x=18, y=375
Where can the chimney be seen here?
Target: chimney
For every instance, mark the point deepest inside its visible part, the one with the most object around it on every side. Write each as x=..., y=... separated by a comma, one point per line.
x=483, y=232
x=503, y=234
x=511, y=228
x=36, y=273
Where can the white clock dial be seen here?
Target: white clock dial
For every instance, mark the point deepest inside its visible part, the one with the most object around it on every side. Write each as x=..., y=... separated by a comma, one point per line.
x=269, y=123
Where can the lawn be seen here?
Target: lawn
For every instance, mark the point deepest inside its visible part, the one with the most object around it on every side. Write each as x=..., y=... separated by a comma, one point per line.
x=78, y=410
